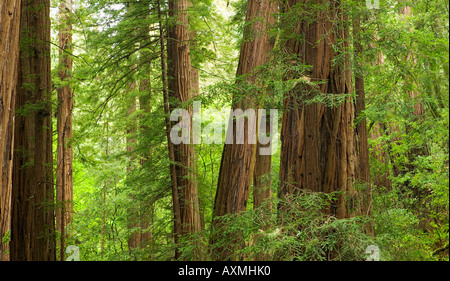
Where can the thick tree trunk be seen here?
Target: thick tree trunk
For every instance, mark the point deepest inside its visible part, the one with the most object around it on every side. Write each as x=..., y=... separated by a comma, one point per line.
x=181, y=90
x=64, y=177
x=262, y=182
x=10, y=12
x=261, y=178
x=33, y=218
x=238, y=160
x=262, y=186
x=319, y=150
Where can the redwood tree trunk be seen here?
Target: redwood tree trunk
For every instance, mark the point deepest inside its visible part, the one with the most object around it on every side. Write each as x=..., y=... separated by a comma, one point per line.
x=319, y=150
x=262, y=182
x=173, y=172
x=10, y=12
x=64, y=177
x=238, y=160
x=133, y=220
x=363, y=172
x=261, y=178
x=181, y=90
x=33, y=218
x=381, y=177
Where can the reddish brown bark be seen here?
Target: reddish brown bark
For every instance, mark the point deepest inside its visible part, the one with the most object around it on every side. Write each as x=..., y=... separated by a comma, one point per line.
x=319, y=151
x=238, y=160
x=262, y=186
x=64, y=177
x=418, y=110
x=381, y=177
x=173, y=172
x=262, y=182
x=363, y=172
x=181, y=90
x=33, y=218
x=10, y=12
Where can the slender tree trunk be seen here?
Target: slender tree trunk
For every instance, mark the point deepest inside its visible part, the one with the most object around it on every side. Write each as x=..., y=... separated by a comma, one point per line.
x=105, y=189
x=136, y=127
x=146, y=214
x=319, y=150
x=64, y=177
x=262, y=186
x=133, y=219
x=381, y=177
x=417, y=150
x=173, y=172
x=145, y=88
x=238, y=160
x=418, y=110
x=262, y=182
x=181, y=91
x=10, y=12
x=195, y=77
x=33, y=217
x=363, y=172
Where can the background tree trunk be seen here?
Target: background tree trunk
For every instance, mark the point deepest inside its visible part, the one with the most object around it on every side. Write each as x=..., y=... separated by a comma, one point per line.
x=173, y=172
x=262, y=179
x=10, y=12
x=64, y=177
x=133, y=220
x=363, y=172
x=381, y=177
x=33, y=217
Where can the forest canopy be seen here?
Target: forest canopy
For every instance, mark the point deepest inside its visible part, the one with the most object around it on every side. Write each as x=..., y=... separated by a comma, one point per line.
x=279, y=130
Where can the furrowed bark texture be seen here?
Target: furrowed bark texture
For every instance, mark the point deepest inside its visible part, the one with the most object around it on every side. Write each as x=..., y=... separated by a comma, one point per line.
x=318, y=150
x=261, y=176
x=173, y=172
x=363, y=172
x=9, y=58
x=180, y=89
x=33, y=218
x=64, y=176
x=238, y=160
x=187, y=217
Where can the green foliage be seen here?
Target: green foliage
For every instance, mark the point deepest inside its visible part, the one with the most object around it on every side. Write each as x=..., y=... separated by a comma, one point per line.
x=302, y=233
x=396, y=230
x=116, y=49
